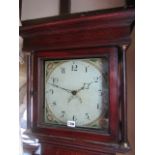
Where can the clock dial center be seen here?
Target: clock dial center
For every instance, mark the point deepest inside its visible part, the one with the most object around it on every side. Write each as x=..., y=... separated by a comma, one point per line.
x=74, y=92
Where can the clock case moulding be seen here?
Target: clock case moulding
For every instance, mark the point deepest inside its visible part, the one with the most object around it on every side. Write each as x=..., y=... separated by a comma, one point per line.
x=66, y=36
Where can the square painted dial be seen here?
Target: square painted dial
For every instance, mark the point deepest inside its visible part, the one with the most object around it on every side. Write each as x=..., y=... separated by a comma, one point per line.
x=77, y=91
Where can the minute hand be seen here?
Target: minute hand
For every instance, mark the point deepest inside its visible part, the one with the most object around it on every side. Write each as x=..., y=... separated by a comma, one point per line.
x=69, y=91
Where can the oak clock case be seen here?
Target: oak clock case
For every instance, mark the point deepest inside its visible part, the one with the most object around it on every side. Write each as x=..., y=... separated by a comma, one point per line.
x=74, y=93
x=77, y=101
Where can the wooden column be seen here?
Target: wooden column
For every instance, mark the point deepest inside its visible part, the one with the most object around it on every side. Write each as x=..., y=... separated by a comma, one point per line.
x=124, y=97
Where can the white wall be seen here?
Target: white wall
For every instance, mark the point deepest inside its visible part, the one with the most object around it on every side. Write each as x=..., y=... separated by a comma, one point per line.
x=88, y=5
x=32, y=9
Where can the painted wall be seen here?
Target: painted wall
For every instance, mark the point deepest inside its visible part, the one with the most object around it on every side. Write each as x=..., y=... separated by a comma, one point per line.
x=32, y=9
x=89, y=5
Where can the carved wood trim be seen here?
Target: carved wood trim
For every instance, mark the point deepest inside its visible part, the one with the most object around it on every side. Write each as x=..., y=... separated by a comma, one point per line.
x=85, y=31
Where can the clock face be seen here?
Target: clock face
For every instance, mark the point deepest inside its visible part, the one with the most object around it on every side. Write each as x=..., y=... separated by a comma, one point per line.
x=76, y=92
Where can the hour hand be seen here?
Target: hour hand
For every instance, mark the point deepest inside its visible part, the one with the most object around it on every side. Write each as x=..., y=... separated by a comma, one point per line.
x=85, y=86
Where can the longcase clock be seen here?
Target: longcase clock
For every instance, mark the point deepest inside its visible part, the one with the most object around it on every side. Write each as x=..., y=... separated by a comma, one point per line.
x=77, y=82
